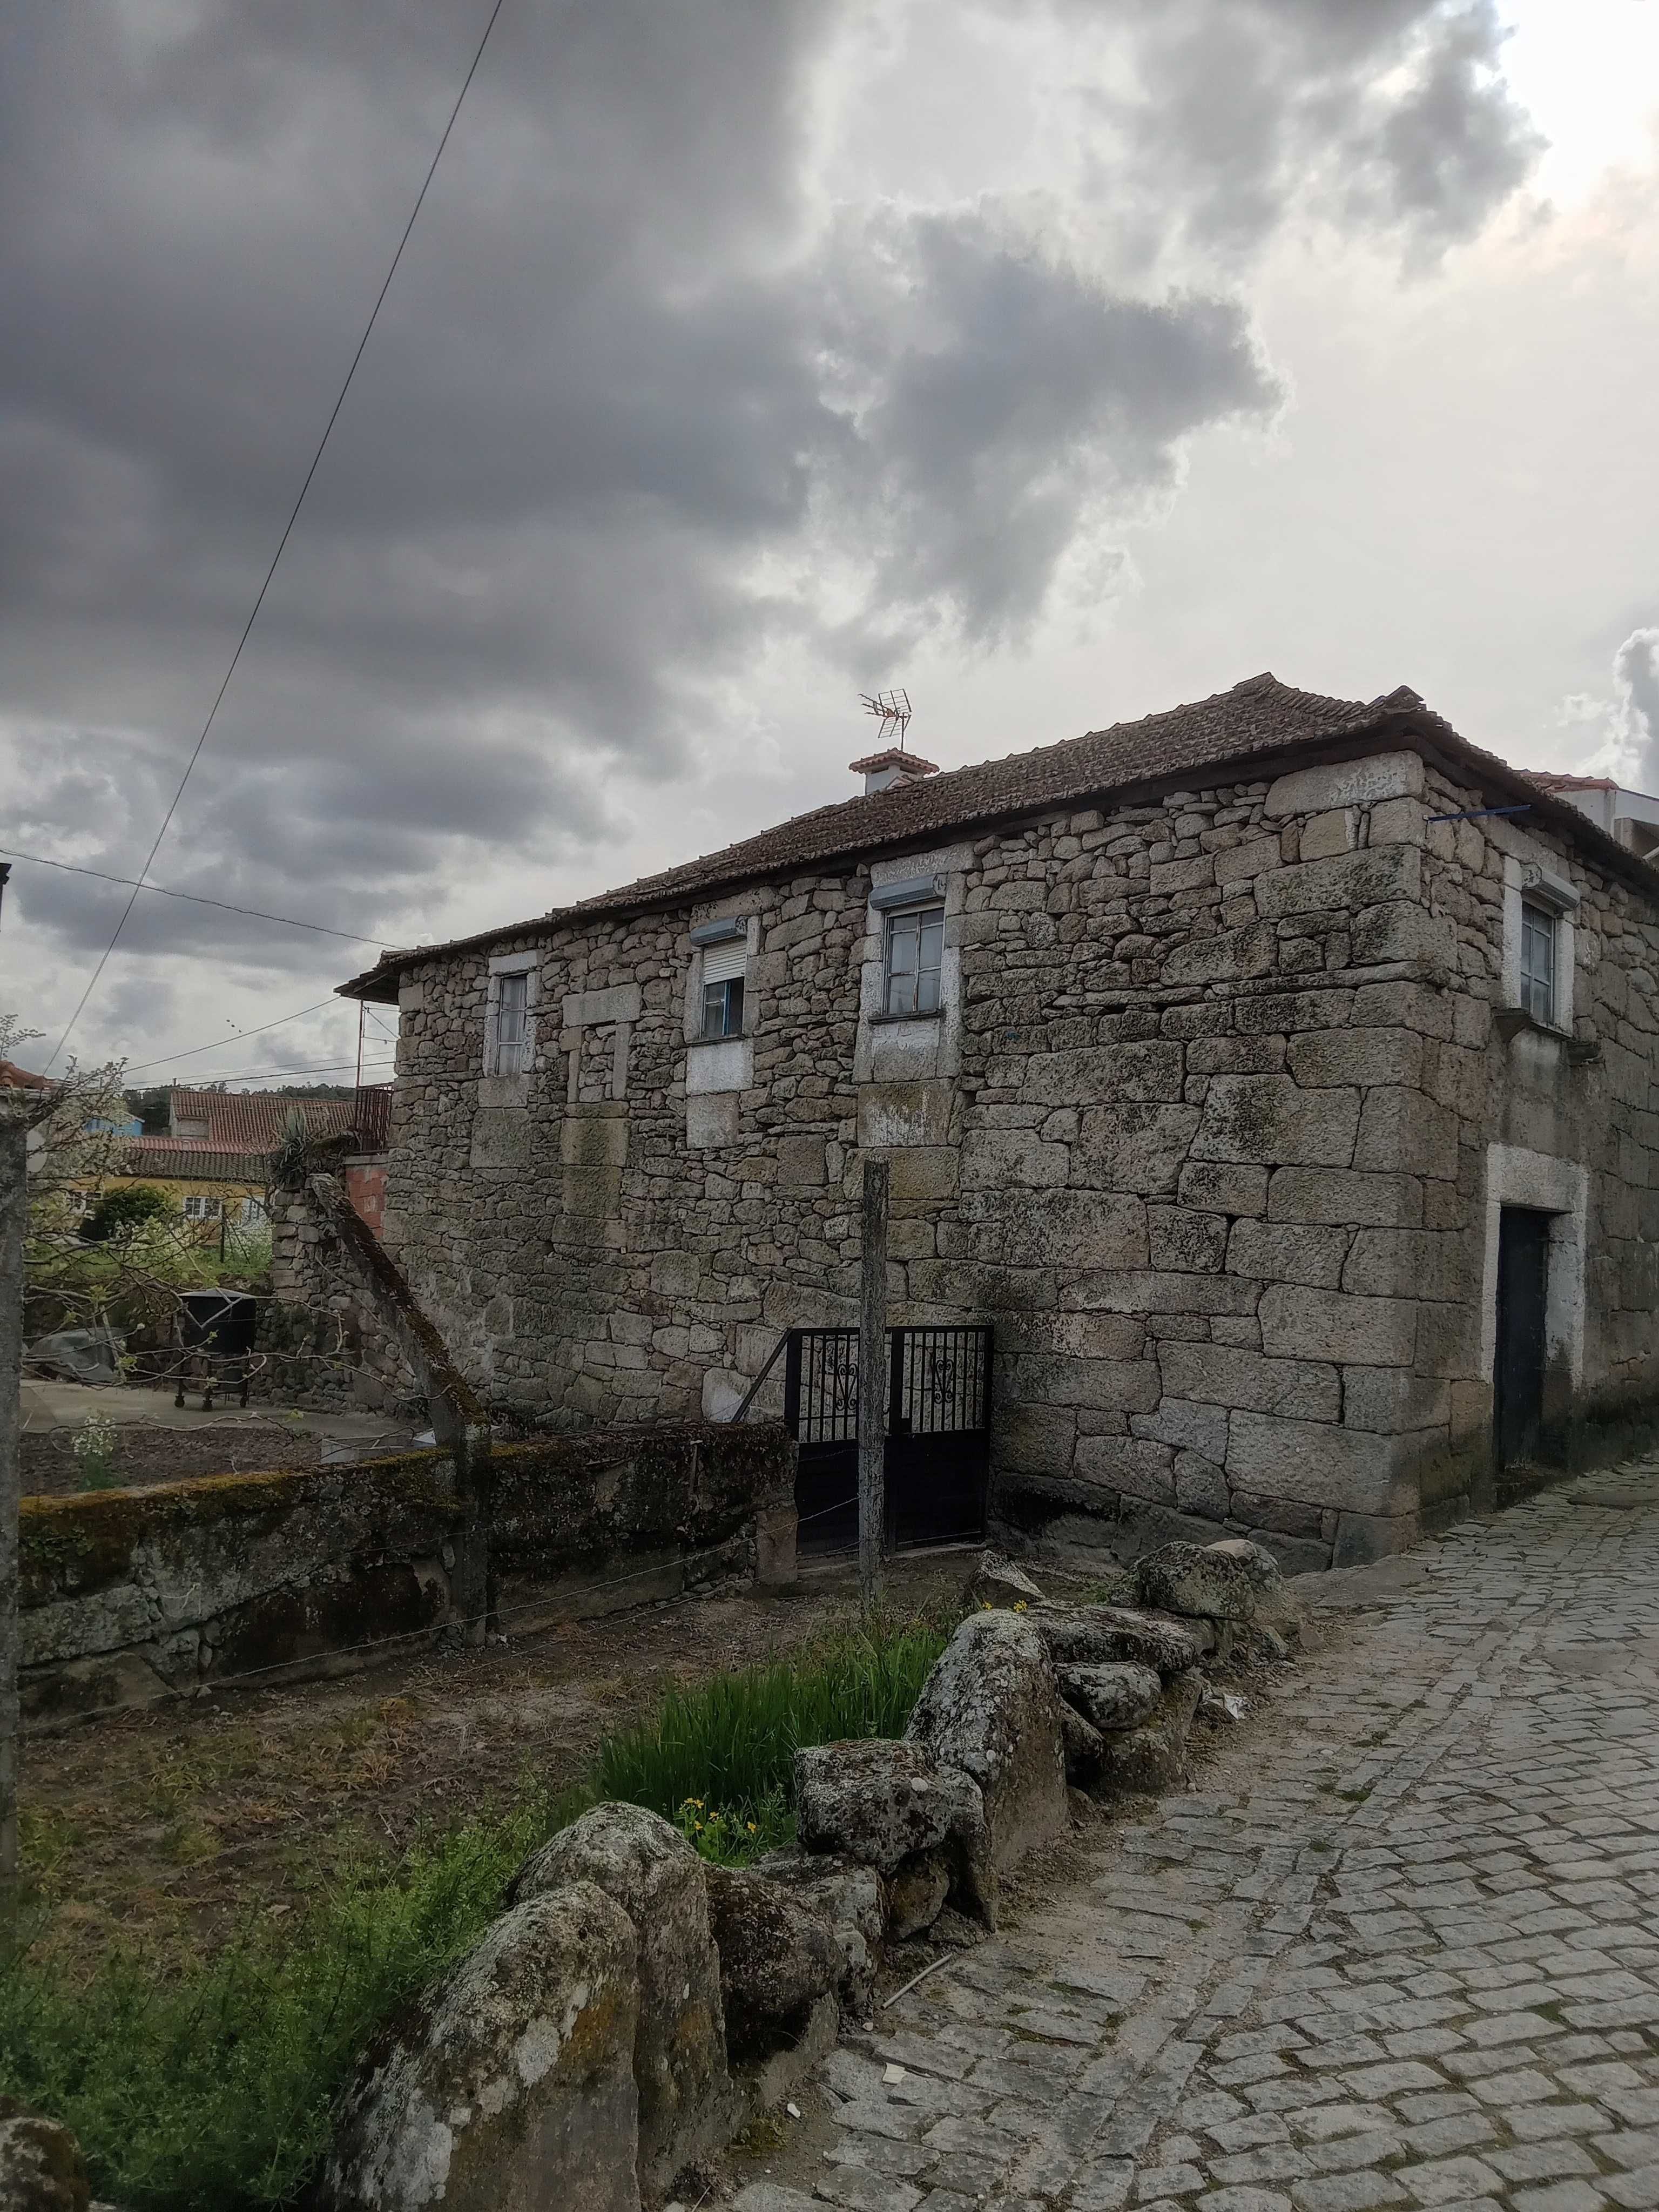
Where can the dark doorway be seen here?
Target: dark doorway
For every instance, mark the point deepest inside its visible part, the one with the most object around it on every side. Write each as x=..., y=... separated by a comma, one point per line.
x=1518, y=1373
x=937, y=1457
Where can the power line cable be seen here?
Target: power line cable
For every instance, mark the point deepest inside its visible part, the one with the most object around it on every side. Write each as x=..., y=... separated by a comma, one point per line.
x=195, y=1051
x=196, y=753
x=263, y=1074
x=194, y=898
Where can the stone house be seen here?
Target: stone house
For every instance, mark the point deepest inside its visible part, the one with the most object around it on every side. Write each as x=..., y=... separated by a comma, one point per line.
x=1274, y=1074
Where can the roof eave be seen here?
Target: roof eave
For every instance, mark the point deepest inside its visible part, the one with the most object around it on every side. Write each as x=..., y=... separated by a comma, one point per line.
x=1431, y=732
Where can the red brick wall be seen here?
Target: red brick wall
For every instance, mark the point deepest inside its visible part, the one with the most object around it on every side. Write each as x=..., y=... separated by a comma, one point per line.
x=365, y=1182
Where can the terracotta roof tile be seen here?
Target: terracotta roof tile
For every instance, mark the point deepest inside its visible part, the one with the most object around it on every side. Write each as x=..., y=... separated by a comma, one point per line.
x=192, y=1159
x=243, y=1120
x=1259, y=715
x=1257, y=721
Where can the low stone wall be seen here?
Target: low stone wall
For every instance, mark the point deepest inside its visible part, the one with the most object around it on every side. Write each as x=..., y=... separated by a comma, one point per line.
x=131, y=1595
x=664, y=2000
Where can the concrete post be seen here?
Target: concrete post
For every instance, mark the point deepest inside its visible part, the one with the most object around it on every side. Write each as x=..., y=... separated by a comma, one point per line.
x=872, y=1384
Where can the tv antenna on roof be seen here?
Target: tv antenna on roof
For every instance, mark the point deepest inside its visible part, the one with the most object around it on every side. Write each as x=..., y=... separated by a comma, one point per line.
x=892, y=709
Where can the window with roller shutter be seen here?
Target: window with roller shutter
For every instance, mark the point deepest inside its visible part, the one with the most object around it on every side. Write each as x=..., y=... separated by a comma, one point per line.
x=723, y=969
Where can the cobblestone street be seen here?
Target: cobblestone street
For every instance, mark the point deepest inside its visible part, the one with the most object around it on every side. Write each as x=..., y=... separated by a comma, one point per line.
x=1413, y=1960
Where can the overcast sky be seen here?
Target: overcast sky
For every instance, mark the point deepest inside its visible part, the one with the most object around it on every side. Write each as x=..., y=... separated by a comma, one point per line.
x=1058, y=359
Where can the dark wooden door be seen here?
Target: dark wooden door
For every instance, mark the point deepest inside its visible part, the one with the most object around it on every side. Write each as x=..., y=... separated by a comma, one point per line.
x=1523, y=1280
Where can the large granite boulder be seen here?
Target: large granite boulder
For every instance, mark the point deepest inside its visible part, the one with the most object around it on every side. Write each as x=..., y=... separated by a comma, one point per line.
x=41, y=2168
x=850, y=1897
x=876, y=1801
x=1084, y=1746
x=778, y=1959
x=917, y=1894
x=1115, y=1694
x=649, y=1869
x=1144, y=1761
x=510, y=2086
x=1098, y=1635
x=990, y=1708
x=1234, y=1580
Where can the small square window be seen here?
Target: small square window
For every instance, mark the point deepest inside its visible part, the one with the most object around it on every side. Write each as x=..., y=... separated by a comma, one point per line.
x=915, y=956
x=197, y=1208
x=1538, y=941
x=722, y=1009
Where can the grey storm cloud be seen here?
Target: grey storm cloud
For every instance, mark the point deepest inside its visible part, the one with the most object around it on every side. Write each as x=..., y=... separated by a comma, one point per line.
x=1389, y=113
x=624, y=377
x=1636, y=677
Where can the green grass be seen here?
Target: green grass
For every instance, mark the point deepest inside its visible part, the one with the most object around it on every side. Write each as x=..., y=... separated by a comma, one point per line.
x=214, y=2089
x=727, y=1750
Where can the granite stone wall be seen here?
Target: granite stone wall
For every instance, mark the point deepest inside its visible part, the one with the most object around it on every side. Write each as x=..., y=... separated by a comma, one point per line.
x=129, y=1595
x=1213, y=1129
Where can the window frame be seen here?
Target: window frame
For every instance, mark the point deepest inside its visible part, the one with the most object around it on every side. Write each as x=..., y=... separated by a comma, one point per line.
x=519, y=1058
x=512, y=1006
x=914, y=918
x=1527, y=882
x=728, y=996
x=1538, y=921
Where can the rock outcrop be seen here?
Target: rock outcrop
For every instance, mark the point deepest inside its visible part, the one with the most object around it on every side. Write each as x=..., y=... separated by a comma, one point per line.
x=880, y=1803
x=778, y=1961
x=852, y=1899
x=996, y=1581
x=511, y=2086
x=1233, y=1581
x=41, y=2168
x=1115, y=1693
x=991, y=1709
x=652, y=1872
x=1099, y=1634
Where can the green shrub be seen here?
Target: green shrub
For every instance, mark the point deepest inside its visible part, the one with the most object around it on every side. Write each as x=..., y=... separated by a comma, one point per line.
x=214, y=2090
x=127, y=1207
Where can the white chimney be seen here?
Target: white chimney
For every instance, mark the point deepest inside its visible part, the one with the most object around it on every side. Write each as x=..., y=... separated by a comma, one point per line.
x=881, y=770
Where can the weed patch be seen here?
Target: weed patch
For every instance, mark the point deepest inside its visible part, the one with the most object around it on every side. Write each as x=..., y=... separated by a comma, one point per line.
x=728, y=1747
x=213, y=2089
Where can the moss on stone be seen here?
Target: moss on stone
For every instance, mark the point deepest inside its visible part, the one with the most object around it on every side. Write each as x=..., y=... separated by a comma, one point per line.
x=91, y=1538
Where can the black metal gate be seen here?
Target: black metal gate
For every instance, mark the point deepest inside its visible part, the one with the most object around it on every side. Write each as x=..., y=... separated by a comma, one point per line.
x=938, y=1455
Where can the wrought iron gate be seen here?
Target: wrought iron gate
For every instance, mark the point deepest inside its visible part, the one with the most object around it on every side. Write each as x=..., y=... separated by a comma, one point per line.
x=938, y=1455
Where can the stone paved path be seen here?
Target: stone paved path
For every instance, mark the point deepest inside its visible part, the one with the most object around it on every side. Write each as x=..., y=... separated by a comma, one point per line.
x=1414, y=1962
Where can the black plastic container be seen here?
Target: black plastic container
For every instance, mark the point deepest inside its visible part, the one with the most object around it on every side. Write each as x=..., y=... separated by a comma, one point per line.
x=221, y=1321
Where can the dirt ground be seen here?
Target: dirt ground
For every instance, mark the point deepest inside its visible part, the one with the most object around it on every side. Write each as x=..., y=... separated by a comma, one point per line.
x=172, y=1825
x=152, y=1440
x=142, y=1454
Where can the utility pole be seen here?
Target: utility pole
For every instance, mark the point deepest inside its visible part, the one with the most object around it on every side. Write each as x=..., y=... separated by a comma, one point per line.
x=13, y=1201
x=872, y=1384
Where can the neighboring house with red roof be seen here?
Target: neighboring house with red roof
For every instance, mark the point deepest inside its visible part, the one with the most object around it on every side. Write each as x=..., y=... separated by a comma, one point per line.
x=214, y=1161
x=1275, y=1075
